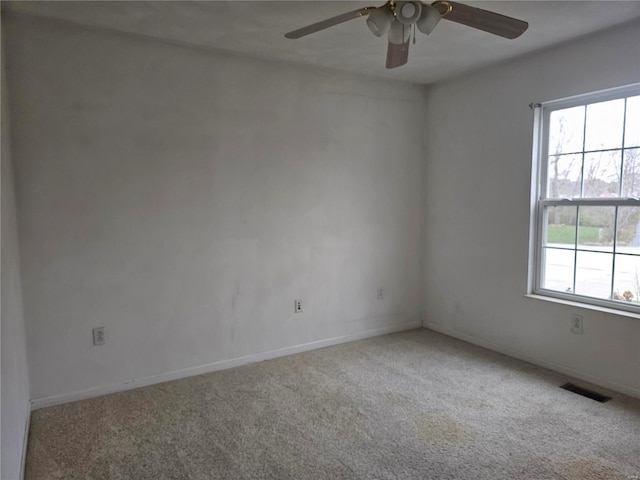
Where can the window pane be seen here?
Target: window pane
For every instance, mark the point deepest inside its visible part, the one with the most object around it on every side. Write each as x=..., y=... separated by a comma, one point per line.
x=558, y=269
x=626, y=286
x=566, y=130
x=590, y=246
x=602, y=174
x=561, y=226
x=631, y=173
x=632, y=128
x=604, y=125
x=593, y=274
x=565, y=176
x=595, y=228
x=628, y=240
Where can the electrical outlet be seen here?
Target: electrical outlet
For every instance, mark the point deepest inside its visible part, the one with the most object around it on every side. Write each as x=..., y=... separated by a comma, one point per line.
x=576, y=324
x=297, y=306
x=380, y=293
x=98, y=336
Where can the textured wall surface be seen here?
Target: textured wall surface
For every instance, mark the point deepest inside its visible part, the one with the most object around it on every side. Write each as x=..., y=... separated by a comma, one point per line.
x=15, y=375
x=184, y=198
x=476, y=211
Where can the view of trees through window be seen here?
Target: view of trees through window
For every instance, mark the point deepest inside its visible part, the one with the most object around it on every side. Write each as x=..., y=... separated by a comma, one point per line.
x=591, y=215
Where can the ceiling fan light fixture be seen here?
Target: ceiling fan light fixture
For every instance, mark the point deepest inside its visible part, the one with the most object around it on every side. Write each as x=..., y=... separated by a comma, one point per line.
x=408, y=13
x=428, y=20
x=379, y=21
x=399, y=33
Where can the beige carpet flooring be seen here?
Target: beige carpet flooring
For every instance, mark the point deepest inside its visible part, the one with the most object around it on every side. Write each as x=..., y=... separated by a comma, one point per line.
x=411, y=405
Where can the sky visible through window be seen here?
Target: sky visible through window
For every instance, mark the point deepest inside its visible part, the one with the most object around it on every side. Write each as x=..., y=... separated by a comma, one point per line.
x=593, y=153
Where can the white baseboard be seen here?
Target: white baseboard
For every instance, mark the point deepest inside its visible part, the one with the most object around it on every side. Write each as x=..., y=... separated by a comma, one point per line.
x=212, y=367
x=617, y=387
x=25, y=442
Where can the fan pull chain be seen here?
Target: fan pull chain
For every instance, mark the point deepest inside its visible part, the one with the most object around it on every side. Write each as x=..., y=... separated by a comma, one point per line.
x=414, y=33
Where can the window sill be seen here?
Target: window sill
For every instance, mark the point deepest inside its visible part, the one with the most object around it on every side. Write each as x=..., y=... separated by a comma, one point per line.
x=586, y=306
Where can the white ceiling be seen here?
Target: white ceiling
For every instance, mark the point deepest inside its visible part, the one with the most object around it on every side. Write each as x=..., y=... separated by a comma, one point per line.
x=257, y=28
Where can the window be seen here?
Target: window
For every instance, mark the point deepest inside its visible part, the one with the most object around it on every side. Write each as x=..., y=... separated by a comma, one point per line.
x=586, y=200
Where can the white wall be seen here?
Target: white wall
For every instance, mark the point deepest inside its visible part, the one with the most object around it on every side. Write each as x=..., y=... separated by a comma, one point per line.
x=476, y=211
x=14, y=387
x=184, y=198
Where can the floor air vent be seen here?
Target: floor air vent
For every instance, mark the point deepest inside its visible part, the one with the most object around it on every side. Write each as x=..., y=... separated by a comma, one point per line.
x=585, y=393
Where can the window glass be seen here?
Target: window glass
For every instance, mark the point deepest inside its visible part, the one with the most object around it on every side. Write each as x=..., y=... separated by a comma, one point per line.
x=595, y=228
x=588, y=209
x=558, y=269
x=626, y=286
x=631, y=173
x=593, y=274
x=561, y=226
x=605, y=121
x=632, y=126
x=602, y=174
x=565, y=176
x=566, y=130
x=628, y=230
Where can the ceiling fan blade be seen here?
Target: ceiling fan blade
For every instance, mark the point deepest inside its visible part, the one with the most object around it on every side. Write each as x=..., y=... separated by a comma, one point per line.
x=397, y=54
x=491, y=22
x=329, y=22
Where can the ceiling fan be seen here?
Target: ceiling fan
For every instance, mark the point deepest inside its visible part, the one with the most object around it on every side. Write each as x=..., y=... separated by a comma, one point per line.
x=397, y=18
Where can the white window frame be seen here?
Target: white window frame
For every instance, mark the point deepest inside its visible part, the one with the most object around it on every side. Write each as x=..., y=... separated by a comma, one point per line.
x=539, y=201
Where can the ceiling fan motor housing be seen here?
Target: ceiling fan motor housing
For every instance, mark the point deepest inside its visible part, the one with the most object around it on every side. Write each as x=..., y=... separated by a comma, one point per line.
x=408, y=13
